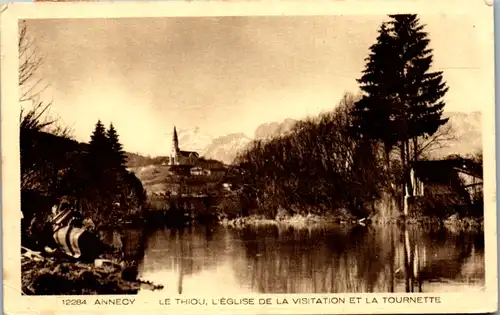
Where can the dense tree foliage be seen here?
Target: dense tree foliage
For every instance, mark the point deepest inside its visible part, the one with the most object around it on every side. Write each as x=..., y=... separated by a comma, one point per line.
x=110, y=188
x=118, y=156
x=92, y=176
x=402, y=102
x=402, y=99
x=317, y=167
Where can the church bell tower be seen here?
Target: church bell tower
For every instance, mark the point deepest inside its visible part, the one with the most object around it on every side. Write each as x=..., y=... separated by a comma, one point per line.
x=174, y=154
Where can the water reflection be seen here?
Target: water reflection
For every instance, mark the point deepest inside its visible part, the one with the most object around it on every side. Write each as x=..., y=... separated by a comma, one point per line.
x=206, y=260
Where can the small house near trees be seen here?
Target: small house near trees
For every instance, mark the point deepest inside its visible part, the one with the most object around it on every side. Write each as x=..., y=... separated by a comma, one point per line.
x=444, y=185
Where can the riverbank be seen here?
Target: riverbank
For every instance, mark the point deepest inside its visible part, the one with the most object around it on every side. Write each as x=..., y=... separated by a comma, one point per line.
x=452, y=223
x=295, y=221
x=62, y=276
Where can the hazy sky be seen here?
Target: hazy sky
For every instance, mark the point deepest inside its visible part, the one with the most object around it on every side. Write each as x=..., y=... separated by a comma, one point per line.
x=223, y=75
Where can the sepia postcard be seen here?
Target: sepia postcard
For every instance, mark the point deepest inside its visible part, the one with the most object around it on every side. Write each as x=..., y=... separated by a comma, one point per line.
x=248, y=157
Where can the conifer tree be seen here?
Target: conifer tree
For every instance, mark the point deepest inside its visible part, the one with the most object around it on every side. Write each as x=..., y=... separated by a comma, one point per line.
x=98, y=167
x=98, y=140
x=373, y=111
x=420, y=91
x=117, y=154
x=99, y=147
x=402, y=101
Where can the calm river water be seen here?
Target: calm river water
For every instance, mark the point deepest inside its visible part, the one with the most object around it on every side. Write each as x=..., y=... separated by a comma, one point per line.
x=218, y=260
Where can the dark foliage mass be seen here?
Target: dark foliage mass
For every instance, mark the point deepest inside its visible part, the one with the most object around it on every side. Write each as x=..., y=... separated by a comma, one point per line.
x=91, y=176
x=402, y=101
x=318, y=167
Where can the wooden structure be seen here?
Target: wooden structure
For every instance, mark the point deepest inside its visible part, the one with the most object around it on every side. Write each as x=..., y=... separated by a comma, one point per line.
x=444, y=178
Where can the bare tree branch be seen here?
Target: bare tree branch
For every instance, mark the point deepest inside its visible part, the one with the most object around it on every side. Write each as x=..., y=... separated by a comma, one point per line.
x=34, y=113
x=29, y=62
x=440, y=139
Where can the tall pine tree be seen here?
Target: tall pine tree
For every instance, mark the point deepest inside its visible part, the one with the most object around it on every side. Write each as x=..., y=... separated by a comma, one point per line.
x=373, y=111
x=99, y=149
x=118, y=158
x=98, y=140
x=98, y=169
x=402, y=99
x=420, y=91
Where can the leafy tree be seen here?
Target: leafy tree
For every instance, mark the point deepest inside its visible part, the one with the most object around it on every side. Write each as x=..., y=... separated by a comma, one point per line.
x=402, y=101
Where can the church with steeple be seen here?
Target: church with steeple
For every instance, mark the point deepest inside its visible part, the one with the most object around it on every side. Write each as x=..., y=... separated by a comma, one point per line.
x=178, y=157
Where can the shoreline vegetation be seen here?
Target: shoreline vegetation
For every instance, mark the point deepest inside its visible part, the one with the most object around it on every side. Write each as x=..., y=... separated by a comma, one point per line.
x=453, y=223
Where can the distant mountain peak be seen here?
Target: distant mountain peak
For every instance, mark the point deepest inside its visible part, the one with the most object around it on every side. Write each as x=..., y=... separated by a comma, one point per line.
x=466, y=129
x=226, y=148
x=269, y=130
x=193, y=139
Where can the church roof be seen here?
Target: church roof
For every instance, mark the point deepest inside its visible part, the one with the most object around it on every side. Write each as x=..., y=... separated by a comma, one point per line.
x=188, y=153
x=175, y=139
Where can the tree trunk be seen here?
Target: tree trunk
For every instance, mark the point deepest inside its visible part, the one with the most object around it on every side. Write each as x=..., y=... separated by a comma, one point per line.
x=407, y=189
x=415, y=149
x=387, y=151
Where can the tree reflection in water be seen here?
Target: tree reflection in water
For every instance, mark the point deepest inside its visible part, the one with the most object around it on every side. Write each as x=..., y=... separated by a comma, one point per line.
x=286, y=260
